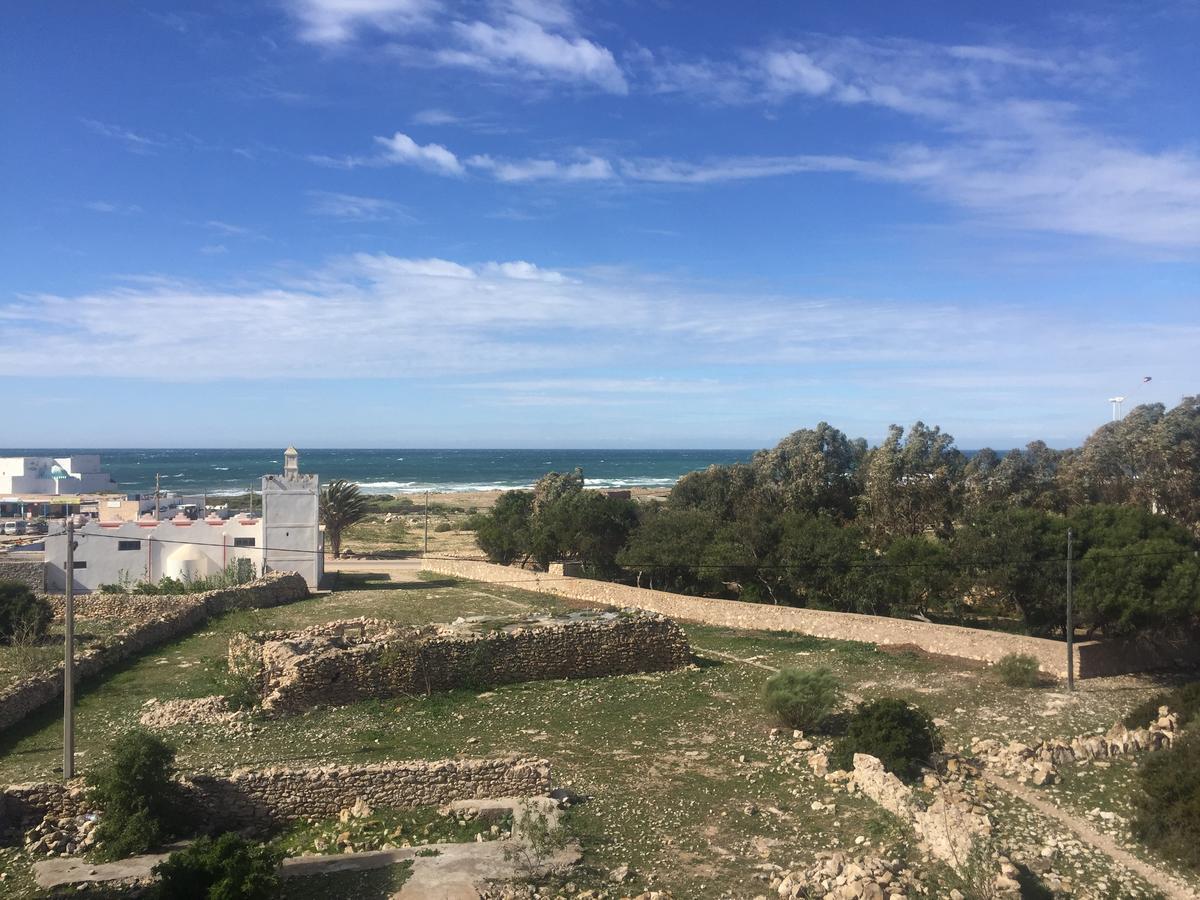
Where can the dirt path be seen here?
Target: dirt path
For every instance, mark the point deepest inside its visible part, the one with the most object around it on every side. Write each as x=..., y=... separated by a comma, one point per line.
x=1171, y=886
x=732, y=658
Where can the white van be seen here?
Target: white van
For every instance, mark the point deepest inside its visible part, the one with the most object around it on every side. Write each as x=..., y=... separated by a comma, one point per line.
x=14, y=527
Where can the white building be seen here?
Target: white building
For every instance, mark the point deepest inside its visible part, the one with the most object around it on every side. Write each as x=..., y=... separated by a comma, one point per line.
x=54, y=475
x=286, y=538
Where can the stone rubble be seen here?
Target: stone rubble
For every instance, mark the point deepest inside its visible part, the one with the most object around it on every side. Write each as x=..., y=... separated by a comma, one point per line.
x=62, y=835
x=212, y=710
x=1039, y=762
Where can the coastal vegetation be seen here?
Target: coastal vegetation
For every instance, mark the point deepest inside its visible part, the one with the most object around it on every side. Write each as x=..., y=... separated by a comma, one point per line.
x=342, y=505
x=911, y=527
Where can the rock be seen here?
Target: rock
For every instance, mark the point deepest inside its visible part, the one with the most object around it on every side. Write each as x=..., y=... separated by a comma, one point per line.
x=619, y=874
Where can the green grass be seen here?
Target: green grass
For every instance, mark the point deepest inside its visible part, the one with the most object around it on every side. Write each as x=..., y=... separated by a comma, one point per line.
x=678, y=775
x=386, y=829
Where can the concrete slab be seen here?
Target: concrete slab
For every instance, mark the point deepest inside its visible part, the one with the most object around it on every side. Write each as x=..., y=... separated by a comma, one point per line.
x=454, y=873
x=50, y=873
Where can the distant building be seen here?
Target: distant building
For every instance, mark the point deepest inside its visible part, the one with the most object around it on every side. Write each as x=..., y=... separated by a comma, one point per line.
x=287, y=537
x=48, y=475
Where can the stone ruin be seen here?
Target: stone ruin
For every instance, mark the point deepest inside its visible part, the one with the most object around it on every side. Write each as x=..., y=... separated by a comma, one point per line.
x=357, y=659
x=1039, y=762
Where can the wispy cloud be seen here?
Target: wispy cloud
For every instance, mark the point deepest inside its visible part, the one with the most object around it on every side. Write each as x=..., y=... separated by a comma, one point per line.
x=519, y=39
x=134, y=141
x=463, y=319
x=334, y=22
x=103, y=206
x=356, y=208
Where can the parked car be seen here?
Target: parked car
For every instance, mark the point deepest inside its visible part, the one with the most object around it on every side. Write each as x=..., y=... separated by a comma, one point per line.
x=36, y=526
x=14, y=527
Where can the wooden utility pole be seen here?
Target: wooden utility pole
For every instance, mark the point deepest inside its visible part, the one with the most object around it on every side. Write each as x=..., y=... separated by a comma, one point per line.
x=157, y=493
x=1070, y=617
x=69, y=659
x=425, y=552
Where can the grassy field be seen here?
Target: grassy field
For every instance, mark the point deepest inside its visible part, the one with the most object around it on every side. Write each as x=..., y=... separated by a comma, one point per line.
x=680, y=777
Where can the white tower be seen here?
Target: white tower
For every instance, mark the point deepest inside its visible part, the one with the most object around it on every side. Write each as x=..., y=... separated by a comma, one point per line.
x=291, y=511
x=291, y=462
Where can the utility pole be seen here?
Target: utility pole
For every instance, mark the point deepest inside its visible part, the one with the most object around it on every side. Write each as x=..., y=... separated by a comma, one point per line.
x=69, y=659
x=1070, y=620
x=426, y=551
x=157, y=484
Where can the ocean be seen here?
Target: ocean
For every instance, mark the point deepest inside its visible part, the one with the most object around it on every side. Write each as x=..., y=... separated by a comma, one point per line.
x=397, y=471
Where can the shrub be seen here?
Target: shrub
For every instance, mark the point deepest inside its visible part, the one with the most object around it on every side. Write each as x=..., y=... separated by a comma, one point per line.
x=222, y=868
x=1167, y=814
x=136, y=794
x=803, y=699
x=901, y=736
x=443, y=526
x=21, y=612
x=1018, y=670
x=1183, y=700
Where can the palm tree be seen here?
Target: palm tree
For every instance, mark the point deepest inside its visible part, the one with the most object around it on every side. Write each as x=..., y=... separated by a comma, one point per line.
x=341, y=506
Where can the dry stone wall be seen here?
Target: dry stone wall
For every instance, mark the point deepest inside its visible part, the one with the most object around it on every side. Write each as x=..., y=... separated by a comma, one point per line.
x=22, y=697
x=28, y=571
x=343, y=662
x=264, y=799
x=1092, y=658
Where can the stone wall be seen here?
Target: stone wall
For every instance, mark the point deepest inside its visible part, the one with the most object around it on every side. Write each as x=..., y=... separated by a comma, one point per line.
x=270, y=590
x=22, y=697
x=1092, y=658
x=264, y=799
x=25, y=568
x=343, y=662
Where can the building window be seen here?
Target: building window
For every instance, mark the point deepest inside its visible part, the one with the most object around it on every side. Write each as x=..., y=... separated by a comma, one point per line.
x=129, y=545
x=80, y=564
x=243, y=542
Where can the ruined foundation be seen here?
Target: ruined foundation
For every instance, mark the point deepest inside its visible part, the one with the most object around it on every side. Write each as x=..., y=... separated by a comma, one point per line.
x=342, y=662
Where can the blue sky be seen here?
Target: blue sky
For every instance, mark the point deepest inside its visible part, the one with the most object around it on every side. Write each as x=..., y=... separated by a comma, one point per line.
x=535, y=223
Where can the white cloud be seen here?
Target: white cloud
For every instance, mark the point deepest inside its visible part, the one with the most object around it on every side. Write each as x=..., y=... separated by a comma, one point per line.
x=792, y=71
x=516, y=44
x=338, y=21
x=376, y=315
x=356, y=208
x=586, y=168
x=525, y=271
x=401, y=148
x=435, y=117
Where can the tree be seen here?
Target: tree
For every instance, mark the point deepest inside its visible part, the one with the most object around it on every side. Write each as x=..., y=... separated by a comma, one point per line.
x=22, y=613
x=503, y=533
x=827, y=566
x=812, y=470
x=222, y=868
x=136, y=793
x=667, y=546
x=1017, y=558
x=912, y=484
x=555, y=486
x=722, y=491
x=342, y=505
x=919, y=576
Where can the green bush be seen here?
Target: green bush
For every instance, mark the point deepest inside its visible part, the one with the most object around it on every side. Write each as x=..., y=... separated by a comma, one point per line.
x=903, y=737
x=443, y=526
x=1183, y=700
x=803, y=699
x=1167, y=813
x=1018, y=670
x=222, y=868
x=21, y=612
x=136, y=795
